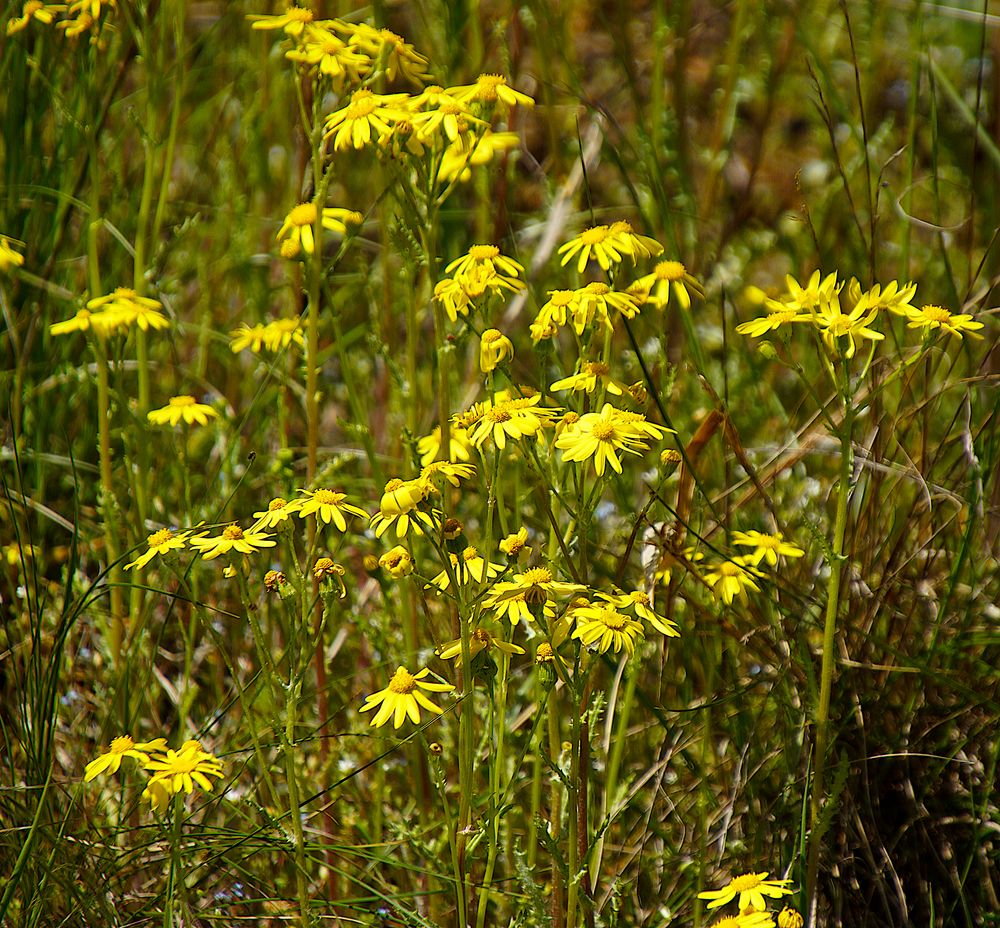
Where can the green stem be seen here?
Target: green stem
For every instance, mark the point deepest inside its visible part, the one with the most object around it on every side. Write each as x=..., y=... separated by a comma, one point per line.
x=822, y=719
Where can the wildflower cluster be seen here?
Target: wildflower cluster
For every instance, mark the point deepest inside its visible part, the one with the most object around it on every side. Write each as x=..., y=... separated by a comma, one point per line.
x=751, y=892
x=168, y=771
x=72, y=19
x=114, y=313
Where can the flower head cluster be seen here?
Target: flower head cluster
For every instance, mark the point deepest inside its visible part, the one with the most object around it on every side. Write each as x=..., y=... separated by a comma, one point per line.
x=81, y=15
x=750, y=889
x=115, y=312
x=180, y=409
x=273, y=336
x=484, y=270
x=159, y=544
x=608, y=245
x=169, y=771
x=594, y=303
x=505, y=417
x=296, y=232
x=606, y=435
x=668, y=278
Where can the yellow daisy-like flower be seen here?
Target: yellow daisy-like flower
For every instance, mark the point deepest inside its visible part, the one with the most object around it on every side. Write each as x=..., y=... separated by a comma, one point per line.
x=766, y=547
x=470, y=151
x=815, y=294
x=730, y=579
x=122, y=746
x=293, y=21
x=604, y=435
x=398, y=506
x=232, y=538
x=328, y=506
x=607, y=628
x=296, y=232
x=777, y=316
x=321, y=48
x=751, y=889
x=515, y=545
x=452, y=473
x=274, y=335
x=184, y=769
x=452, y=296
x=403, y=698
x=159, y=544
x=639, y=602
x=33, y=10
x=125, y=308
x=937, y=317
x=485, y=268
x=182, y=409
x=789, y=918
x=468, y=566
x=399, y=58
x=835, y=324
x=536, y=586
x=597, y=242
x=514, y=418
x=591, y=374
x=397, y=562
x=9, y=257
x=490, y=90
x=351, y=127
x=669, y=277
x=494, y=347
x=892, y=296
x=749, y=919
x=81, y=322
x=429, y=446
x=632, y=244
x=480, y=640
x=278, y=511
x=436, y=112
x=595, y=302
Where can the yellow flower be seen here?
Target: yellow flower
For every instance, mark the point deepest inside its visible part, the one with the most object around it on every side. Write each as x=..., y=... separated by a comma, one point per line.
x=514, y=418
x=595, y=302
x=182, y=409
x=534, y=587
x=669, y=277
x=9, y=258
x=766, y=547
x=892, y=297
x=34, y=9
x=399, y=506
x=328, y=506
x=607, y=628
x=451, y=294
x=751, y=888
x=435, y=110
x=468, y=566
x=480, y=640
x=277, y=334
x=597, y=242
x=124, y=307
x=296, y=232
x=397, y=562
x=278, y=511
x=402, y=698
x=777, y=316
x=730, y=578
x=639, y=603
x=587, y=378
x=319, y=47
x=159, y=543
x=602, y=436
x=81, y=322
x=490, y=90
x=471, y=151
x=813, y=295
x=232, y=538
x=789, y=918
x=453, y=473
x=351, y=127
x=494, y=347
x=515, y=545
x=937, y=317
x=429, y=446
x=399, y=58
x=121, y=747
x=632, y=244
x=183, y=769
x=749, y=919
x=485, y=268
x=293, y=20
x=835, y=324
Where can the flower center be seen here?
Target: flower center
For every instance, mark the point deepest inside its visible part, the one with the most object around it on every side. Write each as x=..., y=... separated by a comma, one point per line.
x=936, y=313
x=390, y=38
x=613, y=620
x=670, y=270
x=491, y=336
x=598, y=288
x=232, y=533
x=571, y=418
x=327, y=497
x=500, y=414
x=487, y=85
x=743, y=883
x=403, y=682
x=182, y=401
x=537, y=575
x=393, y=485
x=561, y=297
x=604, y=431
x=595, y=236
x=303, y=215
x=483, y=252
x=470, y=554
x=362, y=104
x=544, y=653
x=640, y=598
x=159, y=538
x=122, y=744
x=482, y=636
x=299, y=15
x=32, y=6
x=276, y=504
x=596, y=368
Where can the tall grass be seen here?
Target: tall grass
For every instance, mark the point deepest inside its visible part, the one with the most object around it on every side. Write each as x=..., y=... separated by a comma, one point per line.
x=835, y=727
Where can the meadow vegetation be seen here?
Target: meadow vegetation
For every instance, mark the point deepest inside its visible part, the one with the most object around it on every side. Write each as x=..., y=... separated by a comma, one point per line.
x=476, y=463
